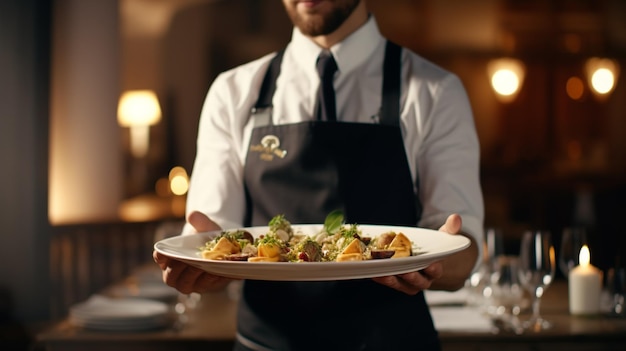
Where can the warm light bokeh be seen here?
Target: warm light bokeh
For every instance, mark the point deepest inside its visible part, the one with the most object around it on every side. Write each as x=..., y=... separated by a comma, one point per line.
x=574, y=88
x=602, y=74
x=505, y=82
x=179, y=181
x=602, y=81
x=506, y=76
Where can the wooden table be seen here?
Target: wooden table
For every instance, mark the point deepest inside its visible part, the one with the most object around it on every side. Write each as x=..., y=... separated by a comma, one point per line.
x=211, y=326
x=571, y=333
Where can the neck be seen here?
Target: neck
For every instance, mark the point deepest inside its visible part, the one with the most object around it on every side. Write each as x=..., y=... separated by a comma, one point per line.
x=350, y=25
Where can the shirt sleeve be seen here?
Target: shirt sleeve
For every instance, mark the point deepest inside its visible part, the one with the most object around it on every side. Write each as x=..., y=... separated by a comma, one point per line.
x=216, y=184
x=448, y=161
x=217, y=180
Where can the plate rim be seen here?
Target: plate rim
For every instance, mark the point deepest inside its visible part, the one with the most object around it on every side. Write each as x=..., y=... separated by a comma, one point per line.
x=301, y=271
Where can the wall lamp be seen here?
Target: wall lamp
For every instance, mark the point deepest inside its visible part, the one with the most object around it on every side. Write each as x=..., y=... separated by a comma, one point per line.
x=506, y=76
x=138, y=110
x=602, y=74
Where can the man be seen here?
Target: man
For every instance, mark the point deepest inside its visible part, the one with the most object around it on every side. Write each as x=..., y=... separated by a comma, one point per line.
x=406, y=156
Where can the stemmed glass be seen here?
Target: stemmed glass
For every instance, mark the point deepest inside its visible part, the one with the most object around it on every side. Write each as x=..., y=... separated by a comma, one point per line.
x=572, y=241
x=479, y=282
x=507, y=293
x=494, y=246
x=537, y=268
x=616, y=286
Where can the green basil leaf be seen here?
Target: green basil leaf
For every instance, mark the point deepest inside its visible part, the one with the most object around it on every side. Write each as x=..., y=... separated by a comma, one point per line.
x=333, y=221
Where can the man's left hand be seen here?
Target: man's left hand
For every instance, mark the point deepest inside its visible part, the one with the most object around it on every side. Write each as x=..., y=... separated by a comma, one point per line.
x=413, y=282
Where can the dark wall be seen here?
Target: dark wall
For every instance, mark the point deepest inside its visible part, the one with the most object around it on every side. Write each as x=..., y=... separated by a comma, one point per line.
x=24, y=229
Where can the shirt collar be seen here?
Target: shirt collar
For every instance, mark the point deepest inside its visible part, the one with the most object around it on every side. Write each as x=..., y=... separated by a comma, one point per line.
x=349, y=53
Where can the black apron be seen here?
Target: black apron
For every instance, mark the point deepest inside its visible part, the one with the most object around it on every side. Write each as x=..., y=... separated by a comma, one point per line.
x=304, y=171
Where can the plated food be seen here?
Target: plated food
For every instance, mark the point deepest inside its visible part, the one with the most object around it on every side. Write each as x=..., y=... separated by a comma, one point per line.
x=434, y=245
x=334, y=242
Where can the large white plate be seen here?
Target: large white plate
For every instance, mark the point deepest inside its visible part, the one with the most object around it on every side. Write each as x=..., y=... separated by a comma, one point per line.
x=433, y=246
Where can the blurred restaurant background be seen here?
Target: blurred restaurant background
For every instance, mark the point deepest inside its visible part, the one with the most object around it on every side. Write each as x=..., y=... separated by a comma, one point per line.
x=100, y=99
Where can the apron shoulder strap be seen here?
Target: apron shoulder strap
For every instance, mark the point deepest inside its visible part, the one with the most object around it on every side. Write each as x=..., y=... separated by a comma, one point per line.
x=262, y=110
x=389, y=111
x=268, y=87
x=392, y=74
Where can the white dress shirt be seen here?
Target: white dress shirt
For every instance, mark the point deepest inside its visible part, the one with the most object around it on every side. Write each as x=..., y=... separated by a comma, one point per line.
x=436, y=120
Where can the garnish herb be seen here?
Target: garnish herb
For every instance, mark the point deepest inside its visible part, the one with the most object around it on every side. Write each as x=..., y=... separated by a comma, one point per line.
x=333, y=221
x=279, y=222
x=270, y=239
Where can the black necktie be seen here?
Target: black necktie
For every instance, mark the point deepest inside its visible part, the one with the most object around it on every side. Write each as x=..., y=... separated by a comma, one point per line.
x=326, y=67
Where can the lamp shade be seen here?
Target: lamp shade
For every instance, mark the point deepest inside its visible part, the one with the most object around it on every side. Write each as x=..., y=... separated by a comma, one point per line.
x=138, y=108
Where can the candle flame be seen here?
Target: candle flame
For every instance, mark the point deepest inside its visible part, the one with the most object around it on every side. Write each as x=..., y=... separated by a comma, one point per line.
x=584, y=256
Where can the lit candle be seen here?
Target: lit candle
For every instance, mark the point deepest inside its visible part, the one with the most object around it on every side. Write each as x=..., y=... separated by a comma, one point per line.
x=585, y=285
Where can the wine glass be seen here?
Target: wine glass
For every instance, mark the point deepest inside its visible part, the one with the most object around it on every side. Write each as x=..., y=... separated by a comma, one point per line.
x=480, y=280
x=537, y=268
x=507, y=293
x=572, y=241
x=494, y=246
x=616, y=287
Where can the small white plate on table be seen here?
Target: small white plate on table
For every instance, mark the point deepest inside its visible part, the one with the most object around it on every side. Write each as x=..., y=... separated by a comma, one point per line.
x=433, y=246
x=119, y=314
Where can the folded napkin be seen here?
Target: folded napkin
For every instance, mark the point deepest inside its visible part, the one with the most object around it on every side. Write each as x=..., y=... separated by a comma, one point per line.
x=460, y=319
x=441, y=298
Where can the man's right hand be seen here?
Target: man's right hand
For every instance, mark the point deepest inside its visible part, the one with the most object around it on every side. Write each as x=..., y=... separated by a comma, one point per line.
x=186, y=278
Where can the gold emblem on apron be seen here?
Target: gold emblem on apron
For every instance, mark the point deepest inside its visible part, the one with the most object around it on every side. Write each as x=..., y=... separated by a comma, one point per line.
x=269, y=148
